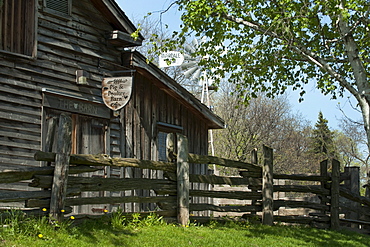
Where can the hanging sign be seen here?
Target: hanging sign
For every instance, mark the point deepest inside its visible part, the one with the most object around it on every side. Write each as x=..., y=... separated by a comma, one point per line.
x=170, y=58
x=116, y=91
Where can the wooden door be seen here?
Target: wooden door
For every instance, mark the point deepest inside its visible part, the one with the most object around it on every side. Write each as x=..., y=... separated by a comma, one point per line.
x=89, y=136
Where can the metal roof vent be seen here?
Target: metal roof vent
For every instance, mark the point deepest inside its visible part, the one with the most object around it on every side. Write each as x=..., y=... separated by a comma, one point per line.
x=60, y=6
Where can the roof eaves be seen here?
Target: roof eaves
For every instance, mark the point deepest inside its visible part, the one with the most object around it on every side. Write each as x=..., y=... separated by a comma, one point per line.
x=116, y=16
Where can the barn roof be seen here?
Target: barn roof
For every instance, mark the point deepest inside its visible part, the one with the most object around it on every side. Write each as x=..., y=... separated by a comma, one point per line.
x=171, y=87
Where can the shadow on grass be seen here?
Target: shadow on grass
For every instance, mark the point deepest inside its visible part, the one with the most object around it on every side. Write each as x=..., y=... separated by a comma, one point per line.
x=311, y=236
x=92, y=233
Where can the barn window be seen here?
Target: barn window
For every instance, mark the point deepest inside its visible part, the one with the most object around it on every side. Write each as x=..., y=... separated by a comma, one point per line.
x=88, y=133
x=17, y=26
x=58, y=7
x=163, y=130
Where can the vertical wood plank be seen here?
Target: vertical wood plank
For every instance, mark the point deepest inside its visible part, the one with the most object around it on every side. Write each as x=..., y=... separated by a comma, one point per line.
x=29, y=41
x=193, y=147
x=140, y=137
x=209, y=169
x=84, y=146
x=267, y=187
x=153, y=125
x=334, y=209
x=129, y=152
x=254, y=160
x=182, y=180
x=59, y=187
x=3, y=16
x=107, y=149
x=51, y=127
x=18, y=26
x=12, y=28
x=353, y=184
x=154, y=118
x=162, y=106
x=169, y=111
x=177, y=113
x=123, y=148
x=145, y=113
x=324, y=173
x=51, y=130
x=137, y=136
x=6, y=26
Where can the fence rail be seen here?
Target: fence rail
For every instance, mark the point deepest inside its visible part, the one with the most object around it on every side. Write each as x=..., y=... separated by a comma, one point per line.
x=338, y=192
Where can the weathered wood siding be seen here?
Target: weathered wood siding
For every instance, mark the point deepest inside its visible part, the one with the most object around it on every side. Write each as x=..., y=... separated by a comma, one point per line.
x=63, y=46
x=148, y=106
x=80, y=43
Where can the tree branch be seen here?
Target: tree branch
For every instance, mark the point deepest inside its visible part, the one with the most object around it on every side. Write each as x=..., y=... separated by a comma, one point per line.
x=348, y=118
x=169, y=7
x=312, y=57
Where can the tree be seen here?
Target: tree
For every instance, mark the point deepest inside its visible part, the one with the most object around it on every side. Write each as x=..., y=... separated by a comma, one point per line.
x=153, y=33
x=263, y=121
x=356, y=145
x=322, y=141
x=276, y=44
x=352, y=146
x=155, y=36
x=350, y=154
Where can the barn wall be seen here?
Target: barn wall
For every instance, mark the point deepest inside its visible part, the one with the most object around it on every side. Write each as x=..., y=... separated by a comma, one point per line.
x=79, y=43
x=63, y=47
x=150, y=105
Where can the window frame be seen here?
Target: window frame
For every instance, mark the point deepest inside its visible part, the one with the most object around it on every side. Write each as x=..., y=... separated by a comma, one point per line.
x=78, y=134
x=56, y=13
x=167, y=129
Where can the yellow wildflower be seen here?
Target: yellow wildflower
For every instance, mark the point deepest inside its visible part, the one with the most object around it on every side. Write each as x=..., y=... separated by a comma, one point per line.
x=44, y=209
x=72, y=217
x=40, y=235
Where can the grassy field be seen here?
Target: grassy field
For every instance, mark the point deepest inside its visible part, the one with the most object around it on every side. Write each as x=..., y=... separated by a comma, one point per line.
x=117, y=230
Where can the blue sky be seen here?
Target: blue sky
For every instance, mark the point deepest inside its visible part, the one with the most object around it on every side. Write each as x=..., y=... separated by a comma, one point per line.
x=314, y=101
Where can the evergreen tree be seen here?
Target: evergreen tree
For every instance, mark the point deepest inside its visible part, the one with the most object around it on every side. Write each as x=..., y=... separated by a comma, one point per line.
x=322, y=142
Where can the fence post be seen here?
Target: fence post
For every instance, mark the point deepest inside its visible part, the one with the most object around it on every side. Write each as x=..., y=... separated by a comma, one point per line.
x=183, y=183
x=267, y=187
x=59, y=187
x=324, y=173
x=334, y=208
x=254, y=160
x=353, y=184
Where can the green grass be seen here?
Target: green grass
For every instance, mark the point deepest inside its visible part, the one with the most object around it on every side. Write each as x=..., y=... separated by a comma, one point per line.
x=151, y=230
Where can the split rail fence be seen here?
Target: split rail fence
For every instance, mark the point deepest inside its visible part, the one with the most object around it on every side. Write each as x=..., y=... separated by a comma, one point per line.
x=340, y=202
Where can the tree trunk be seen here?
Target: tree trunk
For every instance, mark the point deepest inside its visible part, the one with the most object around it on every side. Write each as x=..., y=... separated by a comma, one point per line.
x=365, y=110
x=362, y=94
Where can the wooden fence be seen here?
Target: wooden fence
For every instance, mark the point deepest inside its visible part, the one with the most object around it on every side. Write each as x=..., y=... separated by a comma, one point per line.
x=340, y=202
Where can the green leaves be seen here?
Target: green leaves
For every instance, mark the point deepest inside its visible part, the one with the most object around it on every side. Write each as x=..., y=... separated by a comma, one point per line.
x=135, y=35
x=274, y=45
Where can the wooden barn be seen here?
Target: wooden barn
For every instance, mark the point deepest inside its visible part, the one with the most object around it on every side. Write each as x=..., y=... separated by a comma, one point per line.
x=54, y=56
